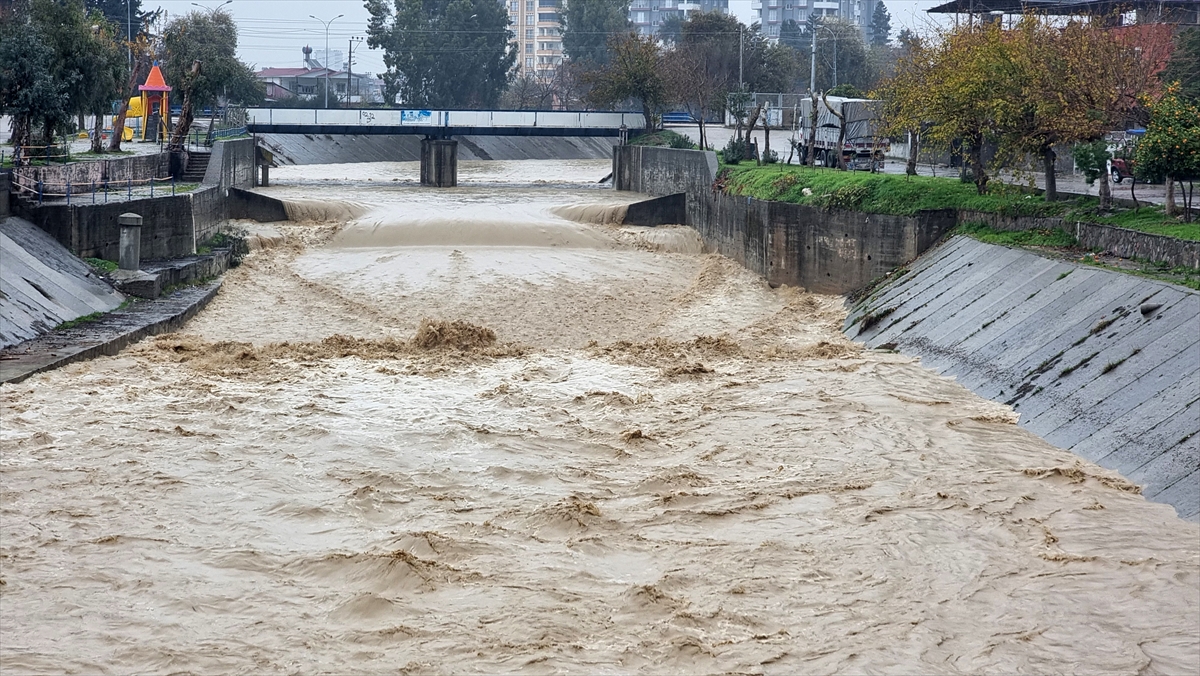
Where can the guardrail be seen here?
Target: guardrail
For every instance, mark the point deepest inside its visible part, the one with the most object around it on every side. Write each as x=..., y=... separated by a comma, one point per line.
x=40, y=191
x=444, y=118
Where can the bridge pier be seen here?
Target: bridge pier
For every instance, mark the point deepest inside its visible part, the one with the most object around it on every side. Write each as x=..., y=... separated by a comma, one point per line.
x=439, y=162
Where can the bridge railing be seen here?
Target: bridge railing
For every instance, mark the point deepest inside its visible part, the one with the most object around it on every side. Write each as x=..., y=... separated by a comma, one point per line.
x=445, y=118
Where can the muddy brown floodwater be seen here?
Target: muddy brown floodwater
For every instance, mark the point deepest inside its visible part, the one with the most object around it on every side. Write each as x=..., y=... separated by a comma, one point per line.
x=454, y=431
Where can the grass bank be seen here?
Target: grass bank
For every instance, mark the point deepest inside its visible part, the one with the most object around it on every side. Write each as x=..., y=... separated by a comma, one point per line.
x=664, y=138
x=876, y=193
x=907, y=195
x=1058, y=244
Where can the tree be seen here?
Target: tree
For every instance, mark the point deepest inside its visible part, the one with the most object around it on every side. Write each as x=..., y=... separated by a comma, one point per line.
x=969, y=83
x=126, y=15
x=842, y=56
x=670, y=31
x=201, y=64
x=697, y=79
x=588, y=27
x=881, y=26
x=634, y=72
x=794, y=35
x=1184, y=66
x=905, y=96
x=28, y=92
x=1171, y=147
x=443, y=53
x=104, y=81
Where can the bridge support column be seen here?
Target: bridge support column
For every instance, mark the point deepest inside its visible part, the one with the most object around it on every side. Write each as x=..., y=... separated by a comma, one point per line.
x=439, y=162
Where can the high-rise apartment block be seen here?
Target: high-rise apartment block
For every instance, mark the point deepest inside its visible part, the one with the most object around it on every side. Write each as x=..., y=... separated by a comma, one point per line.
x=537, y=32
x=648, y=15
x=773, y=13
x=537, y=26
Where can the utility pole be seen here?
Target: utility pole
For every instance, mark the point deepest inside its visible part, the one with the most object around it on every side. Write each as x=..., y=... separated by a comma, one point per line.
x=350, y=68
x=326, y=62
x=741, y=54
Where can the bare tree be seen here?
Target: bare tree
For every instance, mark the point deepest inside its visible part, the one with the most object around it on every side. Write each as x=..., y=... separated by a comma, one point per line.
x=698, y=80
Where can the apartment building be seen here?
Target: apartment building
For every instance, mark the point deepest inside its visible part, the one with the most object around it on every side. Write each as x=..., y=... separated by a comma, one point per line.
x=648, y=15
x=773, y=13
x=537, y=31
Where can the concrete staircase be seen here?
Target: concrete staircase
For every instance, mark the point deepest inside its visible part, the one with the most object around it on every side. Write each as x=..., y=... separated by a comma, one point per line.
x=197, y=165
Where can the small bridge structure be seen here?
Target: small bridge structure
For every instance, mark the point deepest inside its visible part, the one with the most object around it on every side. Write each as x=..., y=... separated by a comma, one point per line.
x=439, y=151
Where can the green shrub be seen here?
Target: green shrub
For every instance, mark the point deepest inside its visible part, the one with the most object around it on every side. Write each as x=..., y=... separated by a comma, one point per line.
x=736, y=151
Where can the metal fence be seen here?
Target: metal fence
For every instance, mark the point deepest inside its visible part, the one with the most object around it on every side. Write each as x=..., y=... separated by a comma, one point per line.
x=94, y=192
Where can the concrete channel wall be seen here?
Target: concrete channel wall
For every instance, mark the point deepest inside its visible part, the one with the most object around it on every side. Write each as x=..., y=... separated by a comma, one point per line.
x=173, y=224
x=328, y=149
x=1102, y=363
x=823, y=250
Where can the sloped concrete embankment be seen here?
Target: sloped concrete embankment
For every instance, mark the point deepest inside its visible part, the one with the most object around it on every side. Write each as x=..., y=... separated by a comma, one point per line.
x=328, y=149
x=43, y=285
x=1102, y=363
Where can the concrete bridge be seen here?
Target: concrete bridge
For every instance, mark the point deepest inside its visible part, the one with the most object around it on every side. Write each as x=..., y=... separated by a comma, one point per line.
x=439, y=152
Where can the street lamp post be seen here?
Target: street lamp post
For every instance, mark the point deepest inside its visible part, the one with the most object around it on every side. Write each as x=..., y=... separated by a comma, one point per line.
x=211, y=10
x=350, y=70
x=326, y=64
x=812, y=71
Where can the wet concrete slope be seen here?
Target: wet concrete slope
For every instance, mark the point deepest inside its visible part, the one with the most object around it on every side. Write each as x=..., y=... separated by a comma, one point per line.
x=1102, y=363
x=42, y=284
x=327, y=149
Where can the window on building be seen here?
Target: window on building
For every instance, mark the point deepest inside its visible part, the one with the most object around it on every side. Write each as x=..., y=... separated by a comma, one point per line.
x=530, y=19
x=529, y=62
x=513, y=7
x=528, y=47
x=307, y=89
x=528, y=33
x=549, y=3
x=641, y=17
x=772, y=16
x=548, y=17
x=341, y=87
x=528, y=5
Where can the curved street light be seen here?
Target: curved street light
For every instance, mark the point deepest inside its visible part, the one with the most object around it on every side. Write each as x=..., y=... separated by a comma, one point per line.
x=326, y=64
x=211, y=10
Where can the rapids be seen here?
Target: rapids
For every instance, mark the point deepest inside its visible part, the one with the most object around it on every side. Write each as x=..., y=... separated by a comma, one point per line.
x=444, y=431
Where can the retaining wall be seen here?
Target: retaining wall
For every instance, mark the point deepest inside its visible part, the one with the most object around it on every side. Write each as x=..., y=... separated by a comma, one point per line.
x=1102, y=363
x=82, y=175
x=827, y=251
x=172, y=225
x=1120, y=241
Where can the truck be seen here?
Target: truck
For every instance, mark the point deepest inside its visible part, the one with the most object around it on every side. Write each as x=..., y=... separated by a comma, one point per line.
x=863, y=144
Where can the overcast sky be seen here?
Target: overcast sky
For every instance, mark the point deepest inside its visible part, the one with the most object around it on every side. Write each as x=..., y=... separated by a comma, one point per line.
x=272, y=32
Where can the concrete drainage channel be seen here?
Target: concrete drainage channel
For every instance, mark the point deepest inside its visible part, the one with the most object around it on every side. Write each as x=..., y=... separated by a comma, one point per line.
x=1102, y=363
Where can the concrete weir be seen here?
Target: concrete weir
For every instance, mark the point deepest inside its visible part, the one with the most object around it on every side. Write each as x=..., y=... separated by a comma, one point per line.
x=1101, y=363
